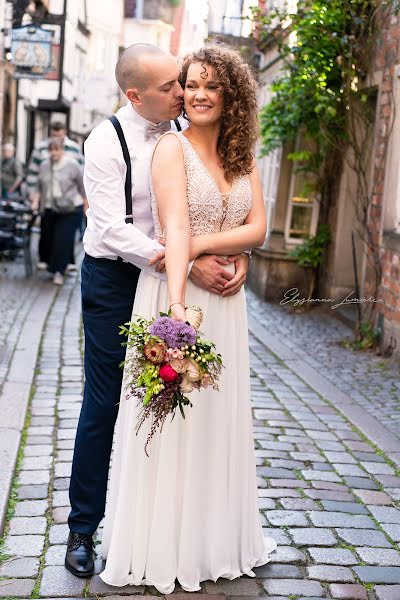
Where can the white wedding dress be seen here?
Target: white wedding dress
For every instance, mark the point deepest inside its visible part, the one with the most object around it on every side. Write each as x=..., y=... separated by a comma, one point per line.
x=189, y=511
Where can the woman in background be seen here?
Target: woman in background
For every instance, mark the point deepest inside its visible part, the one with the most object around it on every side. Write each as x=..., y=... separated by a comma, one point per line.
x=61, y=196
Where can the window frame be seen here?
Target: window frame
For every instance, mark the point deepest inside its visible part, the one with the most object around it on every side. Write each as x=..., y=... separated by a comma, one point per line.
x=294, y=241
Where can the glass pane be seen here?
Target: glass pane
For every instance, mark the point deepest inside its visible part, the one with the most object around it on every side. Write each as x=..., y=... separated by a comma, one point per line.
x=300, y=225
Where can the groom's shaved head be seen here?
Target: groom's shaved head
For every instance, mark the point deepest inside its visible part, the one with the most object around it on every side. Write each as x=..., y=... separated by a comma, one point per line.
x=132, y=69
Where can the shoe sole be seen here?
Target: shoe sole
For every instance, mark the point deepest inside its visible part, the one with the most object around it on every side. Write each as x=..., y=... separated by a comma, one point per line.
x=78, y=573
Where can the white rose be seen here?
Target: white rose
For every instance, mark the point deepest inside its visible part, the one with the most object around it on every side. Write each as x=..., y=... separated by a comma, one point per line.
x=193, y=371
x=180, y=365
x=186, y=386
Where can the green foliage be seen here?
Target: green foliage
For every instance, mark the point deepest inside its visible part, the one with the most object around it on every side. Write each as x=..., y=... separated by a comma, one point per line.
x=367, y=338
x=310, y=252
x=325, y=56
x=150, y=379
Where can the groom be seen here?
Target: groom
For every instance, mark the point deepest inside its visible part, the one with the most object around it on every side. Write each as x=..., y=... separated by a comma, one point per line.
x=117, y=245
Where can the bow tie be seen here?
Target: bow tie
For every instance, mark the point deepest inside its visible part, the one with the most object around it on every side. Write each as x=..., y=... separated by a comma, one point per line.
x=154, y=131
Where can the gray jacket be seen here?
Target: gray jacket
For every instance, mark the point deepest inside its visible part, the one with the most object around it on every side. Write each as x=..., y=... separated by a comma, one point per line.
x=69, y=179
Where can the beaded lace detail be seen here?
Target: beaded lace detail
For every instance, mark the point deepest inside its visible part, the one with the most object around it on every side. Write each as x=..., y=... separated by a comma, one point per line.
x=209, y=210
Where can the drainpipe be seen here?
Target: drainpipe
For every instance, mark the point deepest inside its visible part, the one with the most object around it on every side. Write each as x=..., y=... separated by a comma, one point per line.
x=62, y=48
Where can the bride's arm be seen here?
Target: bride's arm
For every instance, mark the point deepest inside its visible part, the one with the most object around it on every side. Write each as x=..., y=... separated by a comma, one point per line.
x=169, y=184
x=249, y=235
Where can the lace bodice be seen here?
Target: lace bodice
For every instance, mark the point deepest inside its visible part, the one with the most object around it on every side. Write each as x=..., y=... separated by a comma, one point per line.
x=209, y=210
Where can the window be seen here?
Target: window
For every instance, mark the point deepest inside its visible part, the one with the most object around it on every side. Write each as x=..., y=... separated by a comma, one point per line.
x=269, y=167
x=130, y=9
x=303, y=204
x=269, y=173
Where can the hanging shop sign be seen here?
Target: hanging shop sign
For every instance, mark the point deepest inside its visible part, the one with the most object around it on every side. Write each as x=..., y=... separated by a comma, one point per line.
x=31, y=50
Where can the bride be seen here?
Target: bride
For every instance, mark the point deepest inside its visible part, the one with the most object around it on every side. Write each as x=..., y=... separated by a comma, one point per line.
x=189, y=512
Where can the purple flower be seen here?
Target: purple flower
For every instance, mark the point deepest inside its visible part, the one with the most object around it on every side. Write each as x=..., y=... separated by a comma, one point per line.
x=174, y=333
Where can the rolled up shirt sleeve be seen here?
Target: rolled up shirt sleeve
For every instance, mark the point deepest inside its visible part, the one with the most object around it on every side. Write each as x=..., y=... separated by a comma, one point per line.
x=104, y=180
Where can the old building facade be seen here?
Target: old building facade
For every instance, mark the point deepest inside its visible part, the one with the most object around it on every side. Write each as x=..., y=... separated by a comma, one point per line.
x=348, y=265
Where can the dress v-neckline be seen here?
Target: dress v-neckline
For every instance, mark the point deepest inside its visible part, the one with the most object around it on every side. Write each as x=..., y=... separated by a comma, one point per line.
x=224, y=195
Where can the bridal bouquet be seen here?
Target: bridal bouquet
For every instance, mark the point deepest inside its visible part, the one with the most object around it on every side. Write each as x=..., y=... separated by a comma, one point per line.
x=169, y=360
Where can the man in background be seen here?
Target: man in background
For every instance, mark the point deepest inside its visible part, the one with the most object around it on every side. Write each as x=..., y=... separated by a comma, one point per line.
x=12, y=172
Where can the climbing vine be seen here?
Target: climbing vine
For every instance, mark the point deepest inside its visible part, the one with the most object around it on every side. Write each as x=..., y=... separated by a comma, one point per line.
x=326, y=49
x=326, y=93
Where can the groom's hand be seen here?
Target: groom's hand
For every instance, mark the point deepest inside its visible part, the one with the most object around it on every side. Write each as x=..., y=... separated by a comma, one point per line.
x=208, y=273
x=159, y=261
x=233, y=286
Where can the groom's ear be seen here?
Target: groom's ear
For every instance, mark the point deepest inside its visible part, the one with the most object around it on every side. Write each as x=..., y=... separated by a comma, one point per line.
x=133, y=96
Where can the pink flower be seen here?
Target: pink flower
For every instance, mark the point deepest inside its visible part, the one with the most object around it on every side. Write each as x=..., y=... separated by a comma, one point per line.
x=205, y=380
x=174, y=353
x=168, y=374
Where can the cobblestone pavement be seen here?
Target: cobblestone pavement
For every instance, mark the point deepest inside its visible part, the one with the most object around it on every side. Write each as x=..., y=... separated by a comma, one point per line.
x=328, y=497
x=370, y=380
x=16, y=296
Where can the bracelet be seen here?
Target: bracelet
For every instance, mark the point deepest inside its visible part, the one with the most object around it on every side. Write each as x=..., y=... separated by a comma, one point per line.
x=181, y=303
x=249, y=254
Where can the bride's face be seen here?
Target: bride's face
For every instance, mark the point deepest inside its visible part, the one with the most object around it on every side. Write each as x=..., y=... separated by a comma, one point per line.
x=203, y=95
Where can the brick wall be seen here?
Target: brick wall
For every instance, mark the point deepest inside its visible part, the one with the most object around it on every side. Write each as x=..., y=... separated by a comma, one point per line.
x=387, y=56
x=179, y=14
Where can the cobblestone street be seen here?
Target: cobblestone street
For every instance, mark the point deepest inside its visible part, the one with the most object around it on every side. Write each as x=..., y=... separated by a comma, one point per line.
x=327, y=493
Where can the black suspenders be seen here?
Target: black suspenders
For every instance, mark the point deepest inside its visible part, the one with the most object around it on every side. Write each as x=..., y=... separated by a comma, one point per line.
x=127, y=159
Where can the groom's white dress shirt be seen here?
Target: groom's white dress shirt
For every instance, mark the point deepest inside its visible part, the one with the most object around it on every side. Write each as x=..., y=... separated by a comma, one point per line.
x=107, y=235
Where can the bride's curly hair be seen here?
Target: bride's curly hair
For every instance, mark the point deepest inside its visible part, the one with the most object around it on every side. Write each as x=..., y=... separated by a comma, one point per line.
x=239, y=120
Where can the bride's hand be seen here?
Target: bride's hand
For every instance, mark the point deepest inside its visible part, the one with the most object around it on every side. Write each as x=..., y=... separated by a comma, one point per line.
x=178, y=312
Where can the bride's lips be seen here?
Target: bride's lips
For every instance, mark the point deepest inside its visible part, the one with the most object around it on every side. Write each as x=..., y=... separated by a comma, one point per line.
x=201, y=107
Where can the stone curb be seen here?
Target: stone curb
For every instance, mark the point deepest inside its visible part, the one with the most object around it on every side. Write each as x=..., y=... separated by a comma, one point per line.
x=15, y=392
x=358, y=416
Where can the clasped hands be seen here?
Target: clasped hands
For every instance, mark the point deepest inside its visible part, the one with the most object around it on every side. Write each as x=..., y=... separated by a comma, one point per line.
x=208, y=272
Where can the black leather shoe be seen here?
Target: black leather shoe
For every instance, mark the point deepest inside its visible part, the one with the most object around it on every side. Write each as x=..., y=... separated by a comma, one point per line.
x=79, y=559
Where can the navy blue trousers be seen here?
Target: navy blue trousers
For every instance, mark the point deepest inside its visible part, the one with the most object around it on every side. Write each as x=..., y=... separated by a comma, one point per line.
x=108, y=292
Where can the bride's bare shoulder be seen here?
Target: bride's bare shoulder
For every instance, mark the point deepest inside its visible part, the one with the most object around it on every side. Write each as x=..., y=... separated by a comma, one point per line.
x=168, y=145
x=168, y=154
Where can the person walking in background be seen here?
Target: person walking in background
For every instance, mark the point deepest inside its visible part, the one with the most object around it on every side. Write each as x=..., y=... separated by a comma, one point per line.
x=60, y=195
x=12, y=172
x=40, y=154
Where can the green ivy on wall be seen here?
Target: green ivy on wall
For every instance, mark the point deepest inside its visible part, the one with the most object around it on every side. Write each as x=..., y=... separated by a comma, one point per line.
x=325, y=92
x=325, y=57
